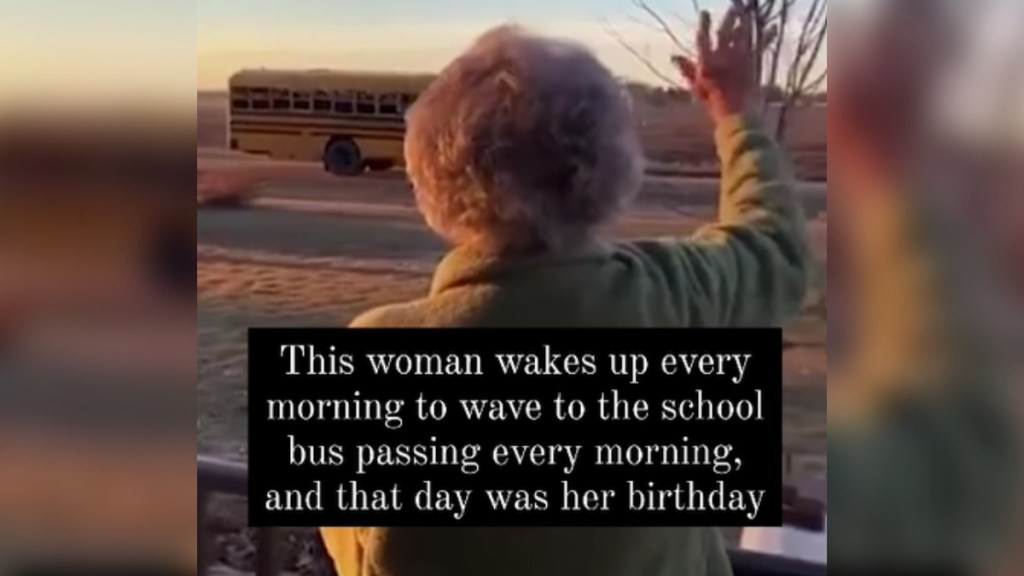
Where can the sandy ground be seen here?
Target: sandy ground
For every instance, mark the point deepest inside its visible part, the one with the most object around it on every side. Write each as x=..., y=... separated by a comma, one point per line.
x=319, y=252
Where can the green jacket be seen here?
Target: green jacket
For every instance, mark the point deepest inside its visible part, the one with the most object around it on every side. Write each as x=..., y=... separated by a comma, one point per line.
x=922, y=458
x=751, y=268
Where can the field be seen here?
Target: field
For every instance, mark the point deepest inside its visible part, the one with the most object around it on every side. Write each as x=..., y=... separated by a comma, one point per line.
x=675, y=135
x=314, y=251
x=678, y=136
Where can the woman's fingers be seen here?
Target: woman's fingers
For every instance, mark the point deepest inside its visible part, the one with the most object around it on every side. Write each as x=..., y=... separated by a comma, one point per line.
x=704, y=49
x=745, y=32
x=688, y=68
x=728, y=30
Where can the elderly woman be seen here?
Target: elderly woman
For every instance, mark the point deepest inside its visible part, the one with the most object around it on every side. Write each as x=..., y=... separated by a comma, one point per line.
x=519, y=153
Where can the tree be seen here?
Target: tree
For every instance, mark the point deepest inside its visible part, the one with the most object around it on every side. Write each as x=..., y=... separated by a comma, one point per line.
x=790, y=34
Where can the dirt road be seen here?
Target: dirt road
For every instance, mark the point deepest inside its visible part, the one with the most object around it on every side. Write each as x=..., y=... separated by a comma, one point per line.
x=317, y=252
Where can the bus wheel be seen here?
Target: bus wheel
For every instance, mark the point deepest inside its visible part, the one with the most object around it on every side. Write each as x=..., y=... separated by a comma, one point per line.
x=343, y=158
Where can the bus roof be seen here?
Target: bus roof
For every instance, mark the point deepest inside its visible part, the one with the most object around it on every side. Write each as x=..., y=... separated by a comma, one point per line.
x=330, y=79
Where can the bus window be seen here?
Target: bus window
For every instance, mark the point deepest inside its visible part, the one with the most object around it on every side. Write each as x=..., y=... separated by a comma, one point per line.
x=407, y=101
x=322, y=102
x=240, y=99
x=343, y=103
x=259, y=99
x=301, y=101
x=281, y=100
x=389, y=104
x=366, y=103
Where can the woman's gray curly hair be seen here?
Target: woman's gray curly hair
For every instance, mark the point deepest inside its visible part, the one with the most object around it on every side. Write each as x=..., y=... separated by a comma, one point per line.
x=522, y=143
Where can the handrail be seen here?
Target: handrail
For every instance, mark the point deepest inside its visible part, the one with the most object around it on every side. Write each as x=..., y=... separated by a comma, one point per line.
x=215, y=476
x=748, y=563
x=221, y=476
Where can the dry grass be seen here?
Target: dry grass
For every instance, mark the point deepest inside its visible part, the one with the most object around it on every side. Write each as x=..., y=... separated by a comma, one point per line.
x=681, y=135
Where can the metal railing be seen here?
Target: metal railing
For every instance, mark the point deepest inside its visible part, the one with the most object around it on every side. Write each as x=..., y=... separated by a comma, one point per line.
x=215, y=476
x=221, y=477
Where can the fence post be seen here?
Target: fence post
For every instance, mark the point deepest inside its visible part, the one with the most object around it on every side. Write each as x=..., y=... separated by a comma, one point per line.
x=267, y=557
x=202, y=535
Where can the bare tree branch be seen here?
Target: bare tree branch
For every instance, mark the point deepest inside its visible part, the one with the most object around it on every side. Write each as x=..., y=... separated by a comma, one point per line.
x=643, y=5
x=811, y=35
x=812, y=56
x=814, y=26
x=796, y=59
x=806, y=57
x=686, y=24
x=642, y=58
x=820, y=15
x=756, y=7
x=811, y=21
x=815, y=85
x=763, y=9
x=782, y=26
x=644, y=24
x=772, y=10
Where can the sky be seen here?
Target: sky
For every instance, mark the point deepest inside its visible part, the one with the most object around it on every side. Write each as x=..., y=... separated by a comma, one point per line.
x=145, y=47
x=424, y=35
x=149, y=49
x=73, y=50
x=406, y=35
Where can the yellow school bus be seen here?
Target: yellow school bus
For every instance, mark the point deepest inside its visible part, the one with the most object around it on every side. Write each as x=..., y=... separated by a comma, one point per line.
x=349, y=121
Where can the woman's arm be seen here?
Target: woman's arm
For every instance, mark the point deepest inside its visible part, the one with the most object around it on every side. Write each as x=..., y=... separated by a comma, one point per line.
x=752, y=267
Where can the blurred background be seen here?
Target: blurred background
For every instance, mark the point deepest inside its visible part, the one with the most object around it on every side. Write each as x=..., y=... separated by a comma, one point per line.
x=926, y=142
x=106, y=353
x=97, y=280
